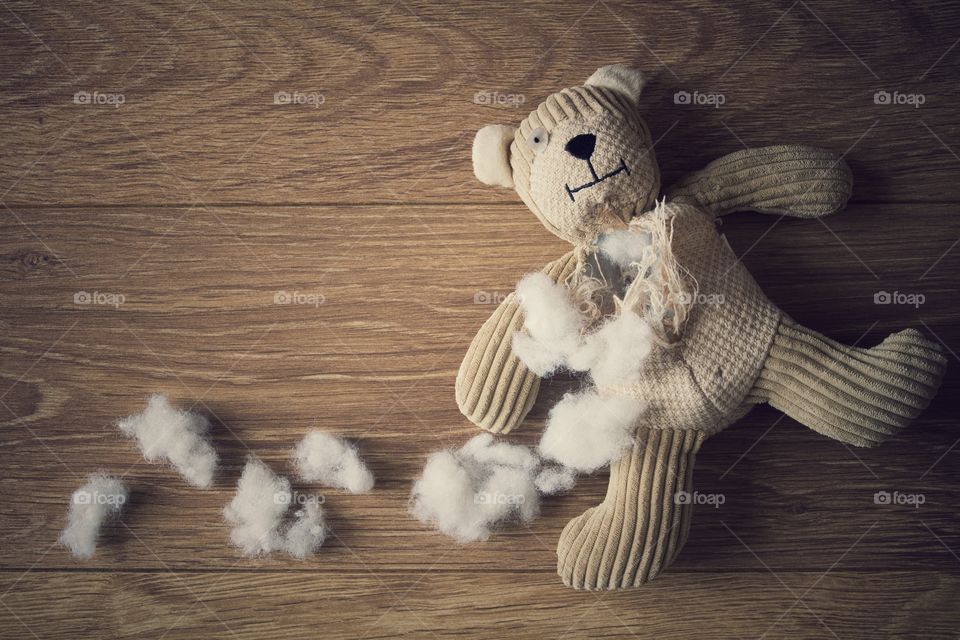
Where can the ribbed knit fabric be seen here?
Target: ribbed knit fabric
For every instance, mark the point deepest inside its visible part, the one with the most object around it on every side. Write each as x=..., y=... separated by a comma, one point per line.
x=494, y=390
x=642, y=524
x=792, y=180
x=701, y=383
x=858, y=396
x=621, y=135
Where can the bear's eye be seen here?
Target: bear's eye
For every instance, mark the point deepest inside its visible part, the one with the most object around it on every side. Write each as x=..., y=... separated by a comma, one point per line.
x=538, y=139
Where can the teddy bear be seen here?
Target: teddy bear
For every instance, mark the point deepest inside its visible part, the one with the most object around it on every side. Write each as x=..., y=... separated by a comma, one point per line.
x=583, y=162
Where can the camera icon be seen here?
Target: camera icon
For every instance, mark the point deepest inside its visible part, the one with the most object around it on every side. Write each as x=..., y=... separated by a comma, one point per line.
x=882, y=497
x=682, y=497
x=882, y=297
x=482, y=97
x=282, y=97
x=82, y=497
x=82, y=297
x=482, y=297
x=282, y=297
x=282, y=498
x=81, y=97
x=682, y=97
x=882, y=97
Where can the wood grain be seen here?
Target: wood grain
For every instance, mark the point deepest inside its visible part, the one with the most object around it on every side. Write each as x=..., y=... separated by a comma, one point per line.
x=243, y=604
x=199, y=123
x=193, y=211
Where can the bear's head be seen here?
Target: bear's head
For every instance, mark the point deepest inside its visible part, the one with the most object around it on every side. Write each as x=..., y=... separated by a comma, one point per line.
x=582, y=161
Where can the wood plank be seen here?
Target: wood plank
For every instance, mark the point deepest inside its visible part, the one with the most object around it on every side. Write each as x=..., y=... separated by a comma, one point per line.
x=377, y=360
x=199, y=124
x=242, y=604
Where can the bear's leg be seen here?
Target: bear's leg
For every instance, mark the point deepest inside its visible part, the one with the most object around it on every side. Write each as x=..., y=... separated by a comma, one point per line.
x=640, y=527
x=858, y=396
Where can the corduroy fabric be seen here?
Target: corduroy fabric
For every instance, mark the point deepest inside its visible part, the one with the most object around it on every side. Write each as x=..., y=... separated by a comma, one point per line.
x=494, y=390
x=792, y=180
x=642, y=524
x=854, y=395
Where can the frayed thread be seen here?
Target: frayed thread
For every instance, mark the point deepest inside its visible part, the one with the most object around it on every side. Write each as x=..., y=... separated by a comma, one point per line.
x=662, y=291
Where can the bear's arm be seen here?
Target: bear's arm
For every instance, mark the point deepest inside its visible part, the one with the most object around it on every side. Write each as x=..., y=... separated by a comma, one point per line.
x=791, y=180
x=494, y=389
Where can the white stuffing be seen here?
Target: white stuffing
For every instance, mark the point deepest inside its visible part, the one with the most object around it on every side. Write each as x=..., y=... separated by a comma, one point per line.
x=332, y=461
x=101, y=497
x=484, y=449
x=180, y=437
x=307, y=533
x=553, y=324
x=624, y=247
x=586, y=431
x=615, y=353
x=258, y=511
x=465, y=493
x=554, y=479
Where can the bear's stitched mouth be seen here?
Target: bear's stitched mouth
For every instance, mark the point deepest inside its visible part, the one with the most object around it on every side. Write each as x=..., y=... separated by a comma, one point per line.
x=596, y=179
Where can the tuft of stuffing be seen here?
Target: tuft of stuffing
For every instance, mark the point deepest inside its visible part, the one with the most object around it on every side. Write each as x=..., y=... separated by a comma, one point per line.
x=552, y=322
x=625, y=247
x=332, y=461
x=257, y=508
x=180, y=437
x=615, y=353
x=257, y=513
x=307, y=533
x=586, y=431
x=589, y=430
x=553, y=480
x=101, y=497
x=483, y=449
x=465, y=493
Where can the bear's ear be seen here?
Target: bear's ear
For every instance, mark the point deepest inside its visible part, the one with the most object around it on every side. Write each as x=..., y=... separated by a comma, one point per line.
x=620, y=78
x=491, y=155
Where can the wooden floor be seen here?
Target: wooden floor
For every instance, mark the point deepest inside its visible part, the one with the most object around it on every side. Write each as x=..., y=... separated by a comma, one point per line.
x=198, y=200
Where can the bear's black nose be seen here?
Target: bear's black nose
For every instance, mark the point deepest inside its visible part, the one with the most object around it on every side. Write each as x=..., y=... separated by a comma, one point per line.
x=581, y=146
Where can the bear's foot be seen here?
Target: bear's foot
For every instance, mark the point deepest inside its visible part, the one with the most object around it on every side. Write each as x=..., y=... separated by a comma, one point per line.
x=854, y=395
x=642, y=524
